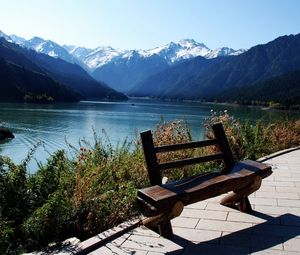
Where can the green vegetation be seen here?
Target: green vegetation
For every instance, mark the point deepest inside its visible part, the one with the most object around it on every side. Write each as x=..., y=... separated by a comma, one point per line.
x=280, y=92
x=18, y=84
x=96, y=188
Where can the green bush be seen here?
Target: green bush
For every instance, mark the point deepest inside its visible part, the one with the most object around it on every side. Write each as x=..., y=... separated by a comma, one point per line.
x=254, y=140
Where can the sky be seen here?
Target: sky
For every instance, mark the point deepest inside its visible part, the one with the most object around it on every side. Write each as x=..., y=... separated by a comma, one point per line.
x=145, y=24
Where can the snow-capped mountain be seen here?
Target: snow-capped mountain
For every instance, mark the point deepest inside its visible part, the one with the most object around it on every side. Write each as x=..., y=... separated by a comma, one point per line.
x=100, y=56
x=189, y=48
x=224, y=51
x=6, y=37
x=17, y=39
x=91, y=59
x=175, y=52
x=123, y=69
x=172, y=52
x=45, y=46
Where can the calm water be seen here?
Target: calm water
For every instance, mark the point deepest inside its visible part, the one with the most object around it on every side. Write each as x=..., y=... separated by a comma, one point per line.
x=53, y=125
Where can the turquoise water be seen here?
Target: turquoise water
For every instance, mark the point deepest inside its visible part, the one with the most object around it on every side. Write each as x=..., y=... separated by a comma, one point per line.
x=53, y=125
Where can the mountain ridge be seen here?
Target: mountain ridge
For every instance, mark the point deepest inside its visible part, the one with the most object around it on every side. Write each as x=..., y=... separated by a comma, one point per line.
x=21, y=85
x=71, y=75
x=195, y=79
x=281, y=91
x=185, y=69
x=124, y=69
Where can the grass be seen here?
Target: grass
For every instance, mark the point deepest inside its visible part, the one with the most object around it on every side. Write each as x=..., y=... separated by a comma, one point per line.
x=96, y=189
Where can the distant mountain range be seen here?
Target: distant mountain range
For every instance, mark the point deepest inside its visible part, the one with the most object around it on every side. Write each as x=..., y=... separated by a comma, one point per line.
x=21, y=85
x=201, y=78
x=182, y=70
x=124, y=69
x=70, y=78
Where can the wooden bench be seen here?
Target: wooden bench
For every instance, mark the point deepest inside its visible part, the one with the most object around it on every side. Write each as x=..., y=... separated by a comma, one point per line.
x=162, y=202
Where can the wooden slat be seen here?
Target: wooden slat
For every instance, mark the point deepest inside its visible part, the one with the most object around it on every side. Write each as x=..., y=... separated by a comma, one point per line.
x=223, y=146
x=150, y=158
x=190, y=161
x=181, y=146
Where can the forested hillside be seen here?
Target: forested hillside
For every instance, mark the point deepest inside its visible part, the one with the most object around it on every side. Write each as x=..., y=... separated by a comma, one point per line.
x=70, y=75
x=281, y=92
x=204, y=78
x=21, y=85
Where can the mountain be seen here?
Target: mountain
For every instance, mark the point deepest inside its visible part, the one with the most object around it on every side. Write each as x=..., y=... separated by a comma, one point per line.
x=282, y=91
x=123, y=72
x=64, y=72
x=172, y=52
x=187, y=49
x=124, y=69
x=200, y=78
x=47, y=47
x=18, y=84
x=17, y=39
x=6, y=37
x=176, y=52
x=94, y=58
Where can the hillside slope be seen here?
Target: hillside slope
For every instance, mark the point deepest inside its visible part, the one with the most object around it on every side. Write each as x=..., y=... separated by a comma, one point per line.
x=66, y=73
x=18, y=84
x=283, y=90
x=199, y=78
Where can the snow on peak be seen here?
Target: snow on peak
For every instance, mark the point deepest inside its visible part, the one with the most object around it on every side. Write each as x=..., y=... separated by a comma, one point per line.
x=17, y=39
x=6, y=37
x=191, y=43
x=99, y=56
x=91, y=59
x=224, y=51
x=177, y=51
x=47, y=47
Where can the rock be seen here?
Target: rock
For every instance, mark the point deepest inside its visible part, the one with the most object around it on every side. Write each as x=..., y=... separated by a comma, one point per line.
x=5, y=134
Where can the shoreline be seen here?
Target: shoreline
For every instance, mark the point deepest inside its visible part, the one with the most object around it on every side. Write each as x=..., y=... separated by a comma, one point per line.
x=262, y=107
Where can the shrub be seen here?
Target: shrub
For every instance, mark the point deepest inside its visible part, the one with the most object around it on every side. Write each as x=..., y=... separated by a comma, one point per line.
x=106, y=183
x=253, y=141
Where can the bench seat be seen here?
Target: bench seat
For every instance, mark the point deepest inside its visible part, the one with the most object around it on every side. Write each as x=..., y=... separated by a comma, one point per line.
x=203, y=186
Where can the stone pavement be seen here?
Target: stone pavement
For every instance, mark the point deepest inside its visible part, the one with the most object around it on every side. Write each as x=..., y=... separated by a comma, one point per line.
x=209, y=228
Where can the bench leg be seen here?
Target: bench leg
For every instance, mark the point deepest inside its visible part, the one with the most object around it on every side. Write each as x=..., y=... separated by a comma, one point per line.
x=163, y=220
x=165, y=230
x=239, y=199
x=244, y=205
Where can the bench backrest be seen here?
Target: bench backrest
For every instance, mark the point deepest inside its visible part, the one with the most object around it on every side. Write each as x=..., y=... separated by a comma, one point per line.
x=155, y=168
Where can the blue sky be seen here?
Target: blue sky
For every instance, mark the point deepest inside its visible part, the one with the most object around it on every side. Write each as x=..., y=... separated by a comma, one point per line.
x=144, y=24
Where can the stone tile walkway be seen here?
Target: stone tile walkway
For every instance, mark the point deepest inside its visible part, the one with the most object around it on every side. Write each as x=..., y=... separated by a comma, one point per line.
x=209, y=228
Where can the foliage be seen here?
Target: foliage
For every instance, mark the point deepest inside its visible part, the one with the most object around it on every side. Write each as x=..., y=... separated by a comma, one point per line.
x=175, y=132
x=253, y=141
x=21, y=84
x=106, y=183
x=96, y=188
x=279, y=92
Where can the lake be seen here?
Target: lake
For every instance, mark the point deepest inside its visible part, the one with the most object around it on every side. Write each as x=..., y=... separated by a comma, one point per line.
x=52, y=125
